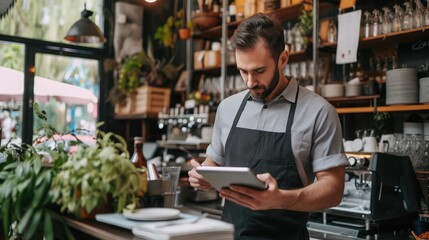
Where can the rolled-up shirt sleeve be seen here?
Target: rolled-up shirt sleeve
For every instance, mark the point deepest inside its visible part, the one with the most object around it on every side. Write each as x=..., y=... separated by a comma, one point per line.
x=327, y=148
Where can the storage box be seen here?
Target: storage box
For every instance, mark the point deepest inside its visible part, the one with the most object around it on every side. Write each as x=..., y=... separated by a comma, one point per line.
x=249, y=8
x=147, y=100
x=199, y=59
x=212, y=59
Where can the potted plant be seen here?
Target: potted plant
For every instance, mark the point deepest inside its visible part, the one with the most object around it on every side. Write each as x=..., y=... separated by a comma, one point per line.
x=306, y=25
x=166, y=34
x=26, y=174
x=94, y=174
x=30, y=176
x=142, y=74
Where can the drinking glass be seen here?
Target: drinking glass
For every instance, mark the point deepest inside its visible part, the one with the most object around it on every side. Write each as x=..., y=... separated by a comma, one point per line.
x=170, y=179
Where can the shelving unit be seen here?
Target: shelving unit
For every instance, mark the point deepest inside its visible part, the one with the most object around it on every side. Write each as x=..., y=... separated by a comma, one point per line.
x=283, y=14
x=391, y=38
x=392, y=108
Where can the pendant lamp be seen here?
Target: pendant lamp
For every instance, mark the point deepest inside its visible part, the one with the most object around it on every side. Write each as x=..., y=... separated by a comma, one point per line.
x=85, y=30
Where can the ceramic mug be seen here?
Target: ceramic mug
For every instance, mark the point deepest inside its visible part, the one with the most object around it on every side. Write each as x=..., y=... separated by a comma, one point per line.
x=348, y=146
x=370, y=144
x=387, y=142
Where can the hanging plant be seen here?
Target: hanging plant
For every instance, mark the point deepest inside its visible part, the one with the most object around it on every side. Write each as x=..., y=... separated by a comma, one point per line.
x=306, y=25
x=166, y=34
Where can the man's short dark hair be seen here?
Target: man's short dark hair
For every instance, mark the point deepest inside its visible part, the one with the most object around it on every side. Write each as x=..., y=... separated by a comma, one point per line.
x=260, y=27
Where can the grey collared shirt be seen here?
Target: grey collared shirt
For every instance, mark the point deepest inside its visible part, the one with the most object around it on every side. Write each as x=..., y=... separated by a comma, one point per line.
x=316, y=131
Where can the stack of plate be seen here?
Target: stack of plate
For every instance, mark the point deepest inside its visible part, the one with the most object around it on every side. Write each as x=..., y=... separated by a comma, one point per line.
x=424, y=90
x=402, y=86
x=353, y=90
x=413, y=128
x=333, y=90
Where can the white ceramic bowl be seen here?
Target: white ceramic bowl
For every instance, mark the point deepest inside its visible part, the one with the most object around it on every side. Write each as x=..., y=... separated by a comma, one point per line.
x=333, y=90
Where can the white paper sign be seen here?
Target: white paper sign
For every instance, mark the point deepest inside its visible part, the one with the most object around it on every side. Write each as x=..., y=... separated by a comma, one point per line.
x=348, y=37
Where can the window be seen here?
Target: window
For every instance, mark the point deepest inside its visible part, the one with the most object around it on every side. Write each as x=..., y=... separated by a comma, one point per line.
x=48, y=20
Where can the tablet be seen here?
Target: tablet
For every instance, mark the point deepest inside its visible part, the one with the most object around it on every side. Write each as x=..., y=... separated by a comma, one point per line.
x=222, y=177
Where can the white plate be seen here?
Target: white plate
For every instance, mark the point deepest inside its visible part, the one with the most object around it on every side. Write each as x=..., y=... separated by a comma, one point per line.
x=153, y=214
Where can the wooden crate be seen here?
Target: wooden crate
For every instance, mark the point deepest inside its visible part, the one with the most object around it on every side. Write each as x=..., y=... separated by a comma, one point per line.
x=147, y=100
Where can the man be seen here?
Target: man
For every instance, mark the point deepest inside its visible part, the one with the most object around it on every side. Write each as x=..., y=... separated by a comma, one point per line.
x=285, y=133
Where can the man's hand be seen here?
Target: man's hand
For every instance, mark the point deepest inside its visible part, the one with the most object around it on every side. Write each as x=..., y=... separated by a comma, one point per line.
x=196, y=180
x=252, y=198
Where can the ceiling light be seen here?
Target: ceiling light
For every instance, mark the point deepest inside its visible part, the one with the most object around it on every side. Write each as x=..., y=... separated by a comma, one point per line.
x=85, y=30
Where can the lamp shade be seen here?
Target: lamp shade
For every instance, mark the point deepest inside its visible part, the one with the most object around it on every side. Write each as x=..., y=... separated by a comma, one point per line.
x=85, y=30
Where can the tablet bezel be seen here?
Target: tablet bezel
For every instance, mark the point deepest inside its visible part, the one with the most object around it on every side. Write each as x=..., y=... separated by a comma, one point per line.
x=222, y=177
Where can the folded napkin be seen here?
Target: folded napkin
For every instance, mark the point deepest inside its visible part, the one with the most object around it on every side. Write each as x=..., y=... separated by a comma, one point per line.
x=203, y=229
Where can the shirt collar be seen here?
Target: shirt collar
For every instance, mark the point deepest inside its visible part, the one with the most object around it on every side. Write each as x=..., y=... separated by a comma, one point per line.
x=289, y=93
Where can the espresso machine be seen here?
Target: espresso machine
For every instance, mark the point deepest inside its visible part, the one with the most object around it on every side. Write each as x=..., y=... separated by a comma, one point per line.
x=381, y=194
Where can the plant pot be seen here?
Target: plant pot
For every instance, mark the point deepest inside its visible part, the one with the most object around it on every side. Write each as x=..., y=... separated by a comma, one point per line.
x=105, y=208
x=184, y=33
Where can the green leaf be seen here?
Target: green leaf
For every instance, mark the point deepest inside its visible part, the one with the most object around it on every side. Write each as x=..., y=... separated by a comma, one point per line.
x=37, y=165
x=25, y=219
x=40, y=192
x=34, y=225
x=48, y=228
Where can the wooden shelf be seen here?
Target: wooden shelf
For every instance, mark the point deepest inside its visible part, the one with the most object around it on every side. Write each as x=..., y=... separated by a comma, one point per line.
x=293, y=57
x=352, y=99
x=136, y=116
x=171, y=144
x=283, y=14
x=299, y=56
x=392, y=108
x=391, y=38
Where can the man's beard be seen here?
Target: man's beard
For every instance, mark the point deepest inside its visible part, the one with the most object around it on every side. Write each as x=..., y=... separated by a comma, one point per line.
x=270, y=88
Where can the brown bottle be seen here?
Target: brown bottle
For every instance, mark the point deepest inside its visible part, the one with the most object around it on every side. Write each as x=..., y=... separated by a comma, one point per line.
x=140, y=162
x=138, y=158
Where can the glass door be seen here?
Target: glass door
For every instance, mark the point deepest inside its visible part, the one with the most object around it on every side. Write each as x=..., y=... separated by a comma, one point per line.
x=67, y=89
x=11, y=91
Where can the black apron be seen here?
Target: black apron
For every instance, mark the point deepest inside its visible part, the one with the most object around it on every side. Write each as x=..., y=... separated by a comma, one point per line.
x=265, y=152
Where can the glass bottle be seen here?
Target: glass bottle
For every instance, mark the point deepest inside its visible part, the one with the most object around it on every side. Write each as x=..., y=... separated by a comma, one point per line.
x=332, y=32
x=376, y=23
x=408, y=20
x=397, y=19
x=371, y=71
x=394, y=61
x=386, y=24
x=232, y=11
x=216, y=6
x=138, y=158
x=378, y=69
x=367, y=24
x=426, y=16
x=386, y=66
x=418, y=14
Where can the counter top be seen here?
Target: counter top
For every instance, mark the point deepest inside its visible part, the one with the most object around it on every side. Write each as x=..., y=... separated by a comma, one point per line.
x=93, y=229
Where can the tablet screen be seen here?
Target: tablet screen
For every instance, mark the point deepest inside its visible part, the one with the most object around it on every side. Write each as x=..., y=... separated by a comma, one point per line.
x=222, y=177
